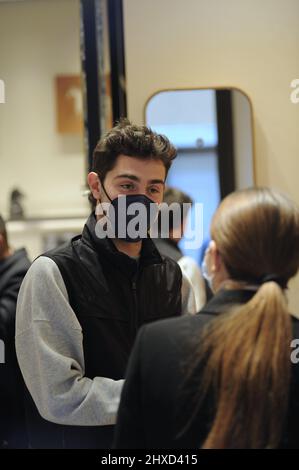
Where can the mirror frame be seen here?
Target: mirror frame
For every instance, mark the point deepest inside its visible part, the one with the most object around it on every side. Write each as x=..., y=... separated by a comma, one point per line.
x=216, y=88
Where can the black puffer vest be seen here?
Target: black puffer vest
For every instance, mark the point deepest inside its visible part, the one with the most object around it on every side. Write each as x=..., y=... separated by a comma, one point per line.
x=112, y=295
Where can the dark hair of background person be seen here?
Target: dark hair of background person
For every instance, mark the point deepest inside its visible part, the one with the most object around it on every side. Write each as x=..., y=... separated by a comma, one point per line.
x=245, y=353
x=174, y=195
x=131, y=140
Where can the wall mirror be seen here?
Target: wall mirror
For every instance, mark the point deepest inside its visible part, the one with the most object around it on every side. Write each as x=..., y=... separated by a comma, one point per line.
x=41, y=122
x=212, y=130
x=62, y=64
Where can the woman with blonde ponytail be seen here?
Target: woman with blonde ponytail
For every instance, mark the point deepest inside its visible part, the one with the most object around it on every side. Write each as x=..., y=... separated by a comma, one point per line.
x=224, y=378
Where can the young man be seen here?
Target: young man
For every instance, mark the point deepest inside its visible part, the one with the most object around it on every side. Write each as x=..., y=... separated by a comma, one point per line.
x=13, y=267
x=81, y=305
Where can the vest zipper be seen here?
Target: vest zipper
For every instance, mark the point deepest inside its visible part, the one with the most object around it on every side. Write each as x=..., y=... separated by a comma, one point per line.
x=135, y=308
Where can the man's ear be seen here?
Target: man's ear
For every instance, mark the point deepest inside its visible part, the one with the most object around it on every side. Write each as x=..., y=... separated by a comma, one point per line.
x=94, y=184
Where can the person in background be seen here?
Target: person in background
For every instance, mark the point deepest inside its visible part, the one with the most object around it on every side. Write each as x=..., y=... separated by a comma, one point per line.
x=169, y=246
x=81, y=305
x=13, y=267
x=206, y=242
x=229, y=376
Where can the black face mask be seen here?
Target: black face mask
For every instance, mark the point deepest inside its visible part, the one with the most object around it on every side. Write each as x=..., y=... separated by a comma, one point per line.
x=131, y=216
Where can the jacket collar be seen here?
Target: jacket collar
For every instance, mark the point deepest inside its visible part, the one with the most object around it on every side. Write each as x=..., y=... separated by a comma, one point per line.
x=167, y=242
x=106, y=248
x=226, y=298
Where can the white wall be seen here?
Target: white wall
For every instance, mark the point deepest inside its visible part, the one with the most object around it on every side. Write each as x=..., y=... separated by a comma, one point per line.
x=243, y=140
x=39, y=40
x=249, y=44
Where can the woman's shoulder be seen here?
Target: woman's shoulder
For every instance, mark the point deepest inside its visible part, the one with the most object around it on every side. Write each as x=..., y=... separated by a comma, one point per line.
x=178, y=326
x=170, y=338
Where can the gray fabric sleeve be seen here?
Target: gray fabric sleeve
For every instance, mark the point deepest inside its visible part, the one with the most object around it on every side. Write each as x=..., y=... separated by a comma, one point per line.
x=191, y=270
x=50, y=354
x=188, y=298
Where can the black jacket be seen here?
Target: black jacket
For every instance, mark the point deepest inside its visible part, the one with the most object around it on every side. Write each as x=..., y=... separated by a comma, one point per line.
x=12, y=421
x=151, y=399
x=112, y=295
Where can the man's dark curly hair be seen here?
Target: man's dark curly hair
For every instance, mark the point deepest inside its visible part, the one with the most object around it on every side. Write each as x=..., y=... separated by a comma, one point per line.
x=131, y=140
x=135, y=141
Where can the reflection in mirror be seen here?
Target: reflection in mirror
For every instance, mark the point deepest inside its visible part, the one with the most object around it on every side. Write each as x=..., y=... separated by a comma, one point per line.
x=212, y=130
x=41, y=123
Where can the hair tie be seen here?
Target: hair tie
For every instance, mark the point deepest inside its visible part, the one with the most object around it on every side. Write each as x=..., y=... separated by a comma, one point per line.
x=273, y=278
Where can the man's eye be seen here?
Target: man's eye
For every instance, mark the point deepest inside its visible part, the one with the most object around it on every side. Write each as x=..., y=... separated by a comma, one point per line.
x=154, y=190
x=127, y=187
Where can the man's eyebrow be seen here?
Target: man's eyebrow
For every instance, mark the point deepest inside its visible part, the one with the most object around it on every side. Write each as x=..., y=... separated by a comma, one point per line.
x=157, y=182
x=127, y=175
x=135, y=178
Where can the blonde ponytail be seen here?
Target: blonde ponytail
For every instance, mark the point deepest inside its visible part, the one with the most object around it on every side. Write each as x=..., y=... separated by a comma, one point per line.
x=247, y=364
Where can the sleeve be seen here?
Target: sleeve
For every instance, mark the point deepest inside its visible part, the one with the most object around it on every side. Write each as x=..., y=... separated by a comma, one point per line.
x=192, y=271
x=129, y=431
x=50, y=354
x=188, y=298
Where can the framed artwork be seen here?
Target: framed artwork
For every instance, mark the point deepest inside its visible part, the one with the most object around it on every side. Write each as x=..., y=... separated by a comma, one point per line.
x=69, y=104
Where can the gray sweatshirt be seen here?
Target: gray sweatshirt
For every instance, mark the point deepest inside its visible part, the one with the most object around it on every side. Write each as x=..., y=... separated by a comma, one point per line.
x=50, y=352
